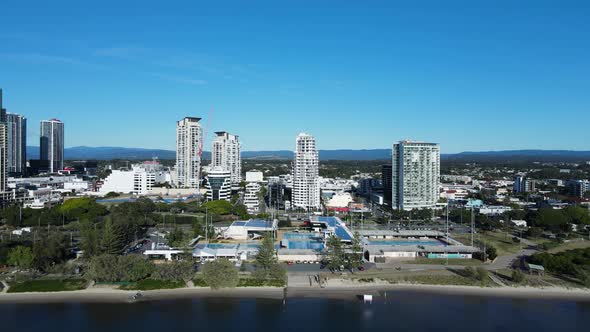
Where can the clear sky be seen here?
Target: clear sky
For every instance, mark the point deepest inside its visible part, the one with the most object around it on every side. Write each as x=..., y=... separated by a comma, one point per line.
x=471, y=75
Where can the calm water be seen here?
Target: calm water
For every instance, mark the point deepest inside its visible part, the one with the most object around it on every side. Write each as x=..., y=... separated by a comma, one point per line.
x=408, y=312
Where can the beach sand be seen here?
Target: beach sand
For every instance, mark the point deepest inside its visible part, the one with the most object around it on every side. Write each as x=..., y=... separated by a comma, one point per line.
x=341, y=291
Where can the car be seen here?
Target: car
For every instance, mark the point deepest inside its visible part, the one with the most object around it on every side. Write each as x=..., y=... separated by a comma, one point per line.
x=361, y=268
x=289, y=263
x=298, y=262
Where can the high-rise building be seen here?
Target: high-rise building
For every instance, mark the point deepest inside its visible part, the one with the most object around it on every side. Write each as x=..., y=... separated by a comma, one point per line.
x=52, y=144
x=3, y=163
x=415, y=175
x=306, y=184
x=276, y=193
x=226, y=154
x=578, y=188
x=523, y=185
x=386, y=179
x=218, y=184
x=3, y=147
x=189, y=138
x=16, y=134
x=2, y=109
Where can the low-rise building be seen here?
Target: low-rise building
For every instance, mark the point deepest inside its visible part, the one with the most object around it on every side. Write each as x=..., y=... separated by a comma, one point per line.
x=139, y=180
x=494, y=210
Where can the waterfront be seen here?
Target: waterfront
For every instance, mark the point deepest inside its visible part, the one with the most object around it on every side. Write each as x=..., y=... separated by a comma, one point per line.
x=400, y=311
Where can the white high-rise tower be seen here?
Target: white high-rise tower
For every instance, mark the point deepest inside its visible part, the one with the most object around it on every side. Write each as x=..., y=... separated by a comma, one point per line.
x=415, y=175
x=189, y=137
x=226, y=155
x=51, y=145
x=306, y=184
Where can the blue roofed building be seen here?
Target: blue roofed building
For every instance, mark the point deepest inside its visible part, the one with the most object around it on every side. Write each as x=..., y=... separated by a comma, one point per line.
x=331, y=226
x=250, y=229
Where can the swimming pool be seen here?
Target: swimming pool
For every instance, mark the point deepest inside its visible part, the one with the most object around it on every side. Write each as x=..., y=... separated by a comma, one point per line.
x=221, y=246
x=303, y=241
x=301, y=236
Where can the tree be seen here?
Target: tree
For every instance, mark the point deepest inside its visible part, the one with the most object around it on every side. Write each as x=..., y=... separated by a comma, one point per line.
x=90, y=239
x=112, y=238
x=82, y=208
x=49, y=250
x=491, y=253
x=11, y=216
x=103, y=268
x=133, y=267
x=266, y=256
x=220, y=274
x=176, y=238
x=278, y=272
x=550, y=218
x=576, y=215
x=356, y=256
x=335, y=253
x=112, y=194
x=533, y=232
x=241, y=211
x=112, y=268
x=21, y=257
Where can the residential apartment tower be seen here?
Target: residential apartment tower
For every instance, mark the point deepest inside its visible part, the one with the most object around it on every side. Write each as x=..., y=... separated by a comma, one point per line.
x=415, y=175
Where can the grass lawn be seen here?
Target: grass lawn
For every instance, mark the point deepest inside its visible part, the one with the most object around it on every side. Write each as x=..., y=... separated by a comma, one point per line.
x=502, y=241
x=569, y=246
x=432, y=277
x=442, y=261
x=251, y=282
x=48, y=285
x=244, y=282
x=152, y=284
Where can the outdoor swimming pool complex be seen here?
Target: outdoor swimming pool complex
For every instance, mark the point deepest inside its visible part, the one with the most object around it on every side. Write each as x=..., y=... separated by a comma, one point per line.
x=231, y=245
x=429, y=242
x=302, y=241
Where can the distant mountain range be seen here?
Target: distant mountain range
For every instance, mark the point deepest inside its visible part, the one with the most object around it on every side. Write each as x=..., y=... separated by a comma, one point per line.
x=519, y=156
x=106, y=153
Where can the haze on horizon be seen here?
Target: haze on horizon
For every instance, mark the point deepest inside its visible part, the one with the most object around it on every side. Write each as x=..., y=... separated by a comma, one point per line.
x=470, y=76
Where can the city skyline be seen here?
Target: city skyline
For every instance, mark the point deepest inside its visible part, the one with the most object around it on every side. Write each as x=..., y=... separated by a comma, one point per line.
x=439, y=73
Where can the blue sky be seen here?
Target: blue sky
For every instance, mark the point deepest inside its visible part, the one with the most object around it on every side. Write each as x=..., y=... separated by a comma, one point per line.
x=471, y=75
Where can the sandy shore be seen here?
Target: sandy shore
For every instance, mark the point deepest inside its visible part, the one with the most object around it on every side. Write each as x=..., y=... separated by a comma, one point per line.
x=111, y=295
x=353, y=292
x=337, y=291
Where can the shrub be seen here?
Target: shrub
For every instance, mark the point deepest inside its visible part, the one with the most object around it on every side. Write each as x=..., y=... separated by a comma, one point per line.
x=481, y=274
x=174, y=271
x=152, y=284
x=470, y=272
x=517, y=276
x=220, y=274
x=47, y=286
x=111, y=268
